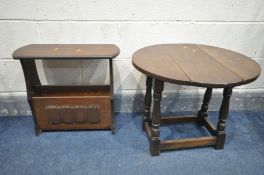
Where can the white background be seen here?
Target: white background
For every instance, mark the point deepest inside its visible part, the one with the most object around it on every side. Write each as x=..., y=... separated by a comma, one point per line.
x=234, y=24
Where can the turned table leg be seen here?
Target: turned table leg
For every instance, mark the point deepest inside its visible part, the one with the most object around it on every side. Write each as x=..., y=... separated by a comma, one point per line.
x=203, y=112
x=32, y=79
x=223, y=113
x=155, y=125
x=147, y=102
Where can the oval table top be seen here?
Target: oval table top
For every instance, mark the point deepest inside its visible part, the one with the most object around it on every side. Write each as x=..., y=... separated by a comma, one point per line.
x=196, y=65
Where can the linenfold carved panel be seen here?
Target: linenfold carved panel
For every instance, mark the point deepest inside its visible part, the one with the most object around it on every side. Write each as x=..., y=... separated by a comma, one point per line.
x=73, y=114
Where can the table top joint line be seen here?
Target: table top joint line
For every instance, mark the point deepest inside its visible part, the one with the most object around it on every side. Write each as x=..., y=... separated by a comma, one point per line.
x=220, y=63
x=167, y=53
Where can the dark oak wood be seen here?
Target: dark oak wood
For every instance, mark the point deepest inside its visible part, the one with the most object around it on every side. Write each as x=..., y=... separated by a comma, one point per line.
x=32, y=79
x=70, y=111
x=154, y=64
x=239, y=64
x=195, y=65
x=148, y=131
x=180, y=143
x=112, y=94
x=147, y=102
x=177, y=119
x=202, y=114
x=155, y=125
x=51, y=91
x=188, y=143
x=223, y=113
x=66, y=51
x=57, y=107
x=209, y=126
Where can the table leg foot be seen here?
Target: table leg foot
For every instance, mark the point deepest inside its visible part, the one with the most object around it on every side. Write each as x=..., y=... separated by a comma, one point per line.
x=113, y=128
x=220, y=141
x=154, y=147
x=37, y=132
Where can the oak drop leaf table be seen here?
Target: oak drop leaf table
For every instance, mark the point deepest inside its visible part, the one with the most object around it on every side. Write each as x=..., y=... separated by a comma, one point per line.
x=193, y=65
x=60, y=107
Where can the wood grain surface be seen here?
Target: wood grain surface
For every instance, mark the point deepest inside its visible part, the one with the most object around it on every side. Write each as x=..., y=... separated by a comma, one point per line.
x=196, y=65
x=64, y=51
